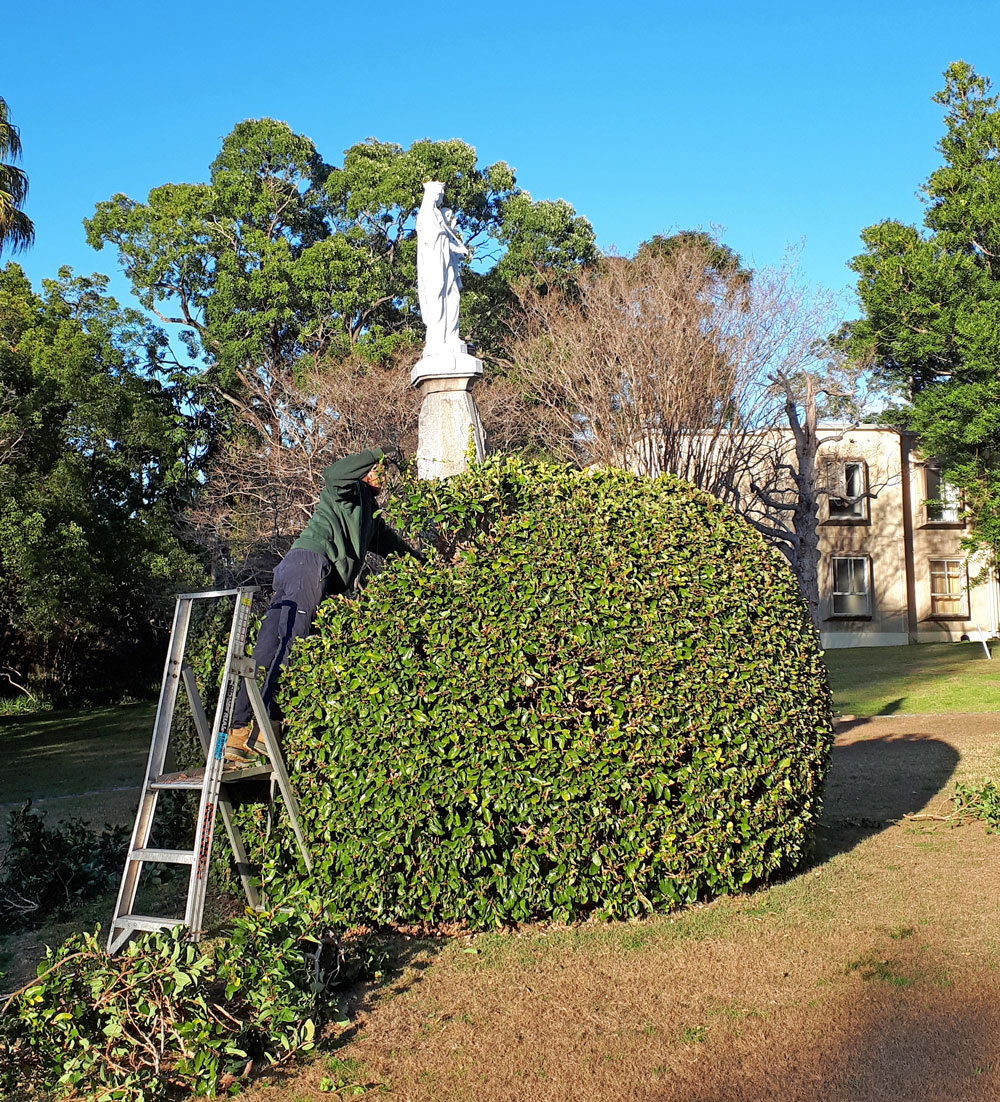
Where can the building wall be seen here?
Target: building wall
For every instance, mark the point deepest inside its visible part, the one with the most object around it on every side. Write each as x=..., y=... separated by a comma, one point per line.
x=936, y=540
x=898, y=537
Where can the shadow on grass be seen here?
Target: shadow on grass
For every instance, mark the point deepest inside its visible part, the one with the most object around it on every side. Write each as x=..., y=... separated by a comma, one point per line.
x=75, y=722
x=401, y=962
x=876, y=1046
x=64, y=753
x=873, y=783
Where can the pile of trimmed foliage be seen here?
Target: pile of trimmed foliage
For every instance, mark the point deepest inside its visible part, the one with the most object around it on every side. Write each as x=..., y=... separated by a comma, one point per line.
x=603, y=694
x=166, y=1017
x=981, y=803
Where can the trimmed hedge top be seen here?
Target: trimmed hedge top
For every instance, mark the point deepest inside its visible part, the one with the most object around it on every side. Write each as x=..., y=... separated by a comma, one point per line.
x=605, y=694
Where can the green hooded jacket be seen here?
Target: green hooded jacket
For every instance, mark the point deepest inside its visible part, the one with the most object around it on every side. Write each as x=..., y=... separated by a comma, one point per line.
x=345, y=525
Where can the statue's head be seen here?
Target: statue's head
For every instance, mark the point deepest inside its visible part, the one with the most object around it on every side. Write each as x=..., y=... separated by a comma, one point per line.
x=434, y=191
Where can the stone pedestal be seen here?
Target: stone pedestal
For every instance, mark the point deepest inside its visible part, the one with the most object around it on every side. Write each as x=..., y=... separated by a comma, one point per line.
x=449, y=430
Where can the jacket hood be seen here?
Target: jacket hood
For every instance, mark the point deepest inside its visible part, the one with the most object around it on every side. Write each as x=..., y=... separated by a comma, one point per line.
x=351, y=468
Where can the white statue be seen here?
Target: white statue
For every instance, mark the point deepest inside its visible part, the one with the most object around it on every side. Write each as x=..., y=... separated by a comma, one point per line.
x=449, y=420
x=439, y=252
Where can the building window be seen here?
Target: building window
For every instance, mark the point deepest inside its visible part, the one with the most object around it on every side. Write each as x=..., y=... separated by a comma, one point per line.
x=944, y=502
x=852, y=586
x=949, y=592
x=847, y=499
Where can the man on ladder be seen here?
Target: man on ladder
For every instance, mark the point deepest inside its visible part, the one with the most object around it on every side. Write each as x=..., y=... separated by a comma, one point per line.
x=325, y=559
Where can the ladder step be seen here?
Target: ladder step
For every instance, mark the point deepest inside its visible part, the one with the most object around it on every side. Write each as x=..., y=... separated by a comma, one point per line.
x=146, y=922
x=164, y=856
x=192, y=779
x=239, y=772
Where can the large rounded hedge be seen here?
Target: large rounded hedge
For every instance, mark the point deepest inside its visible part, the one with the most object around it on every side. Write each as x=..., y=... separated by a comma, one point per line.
x=605, y=693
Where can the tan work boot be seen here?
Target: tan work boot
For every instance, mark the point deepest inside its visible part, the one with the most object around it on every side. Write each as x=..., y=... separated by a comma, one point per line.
x=259, y=747
x=239, y=741
x=236, y=746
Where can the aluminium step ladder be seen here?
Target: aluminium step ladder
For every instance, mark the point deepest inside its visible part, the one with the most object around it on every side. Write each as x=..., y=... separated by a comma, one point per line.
x=215, y=782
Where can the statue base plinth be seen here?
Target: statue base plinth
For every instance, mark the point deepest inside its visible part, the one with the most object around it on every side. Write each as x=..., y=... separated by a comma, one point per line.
x=451, y=361
x=449, y=432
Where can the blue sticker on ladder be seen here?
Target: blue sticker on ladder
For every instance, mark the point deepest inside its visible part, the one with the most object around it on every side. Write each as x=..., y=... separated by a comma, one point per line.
x=220, y=745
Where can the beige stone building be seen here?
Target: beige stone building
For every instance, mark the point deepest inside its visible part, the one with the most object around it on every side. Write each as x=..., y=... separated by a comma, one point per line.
x=892, y=567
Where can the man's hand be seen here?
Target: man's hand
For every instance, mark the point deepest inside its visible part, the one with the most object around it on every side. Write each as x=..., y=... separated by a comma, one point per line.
x=393, y=454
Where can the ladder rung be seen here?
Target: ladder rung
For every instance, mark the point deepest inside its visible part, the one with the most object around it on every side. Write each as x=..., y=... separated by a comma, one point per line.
x=164, y=856
x=146, y=922
x=193, y=779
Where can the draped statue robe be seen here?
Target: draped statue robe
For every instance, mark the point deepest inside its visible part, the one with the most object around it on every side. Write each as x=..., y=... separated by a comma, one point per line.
x=439, y=253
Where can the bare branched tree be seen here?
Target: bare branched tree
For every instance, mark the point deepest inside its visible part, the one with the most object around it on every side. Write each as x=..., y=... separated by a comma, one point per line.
x=262, y=488
x=658, y=361
x=669, y=362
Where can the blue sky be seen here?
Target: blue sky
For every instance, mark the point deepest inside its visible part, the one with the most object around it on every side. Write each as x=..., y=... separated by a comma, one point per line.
x=777, y=123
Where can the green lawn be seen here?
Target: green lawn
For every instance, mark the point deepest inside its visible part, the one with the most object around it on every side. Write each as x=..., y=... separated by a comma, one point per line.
x=930, y=677
x=63, y=753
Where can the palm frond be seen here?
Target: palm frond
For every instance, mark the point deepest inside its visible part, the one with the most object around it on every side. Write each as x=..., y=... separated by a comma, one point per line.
x=17, y=232
x=10, y=136
x=13, y=184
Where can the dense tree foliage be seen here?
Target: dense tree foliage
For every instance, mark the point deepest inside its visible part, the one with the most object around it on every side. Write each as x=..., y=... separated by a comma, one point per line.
x=16, y=229
x=96, y=454
x=931, y=300
x=281, y=259
x=294, y=286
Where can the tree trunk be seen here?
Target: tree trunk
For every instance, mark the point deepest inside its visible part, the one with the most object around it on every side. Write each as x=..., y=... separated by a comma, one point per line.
x=807, y=529
x=805, y=517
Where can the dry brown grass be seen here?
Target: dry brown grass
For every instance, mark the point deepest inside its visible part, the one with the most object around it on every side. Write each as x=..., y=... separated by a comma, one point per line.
x=873, y=975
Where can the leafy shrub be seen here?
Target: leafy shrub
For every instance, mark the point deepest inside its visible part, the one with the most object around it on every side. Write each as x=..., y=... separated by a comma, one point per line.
x=46, y=872
x=605, y=693
x=166, y=1016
